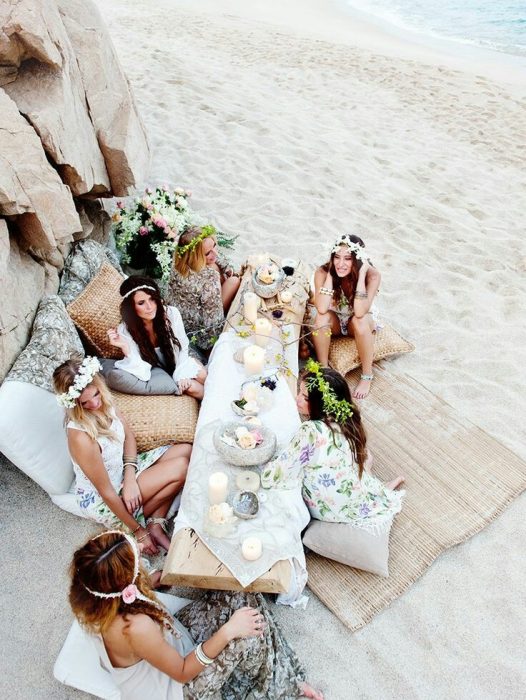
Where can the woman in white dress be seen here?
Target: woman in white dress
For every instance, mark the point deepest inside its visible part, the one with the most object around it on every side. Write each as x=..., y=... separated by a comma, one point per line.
x=154, y=344
x=113, y=484
x=232, y=649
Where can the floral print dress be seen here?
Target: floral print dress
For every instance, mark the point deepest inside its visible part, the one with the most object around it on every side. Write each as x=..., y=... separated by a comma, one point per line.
x=320, y=461
x=89, y=500
x=198, y=298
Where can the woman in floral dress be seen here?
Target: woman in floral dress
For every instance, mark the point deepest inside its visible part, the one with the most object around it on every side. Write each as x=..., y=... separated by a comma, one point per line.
x=223, y=646
x=113, y=484
x=328, y=457
x=202, y=286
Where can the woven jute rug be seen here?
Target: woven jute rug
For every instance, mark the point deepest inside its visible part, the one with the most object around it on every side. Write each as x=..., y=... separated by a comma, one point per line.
x=458, y=479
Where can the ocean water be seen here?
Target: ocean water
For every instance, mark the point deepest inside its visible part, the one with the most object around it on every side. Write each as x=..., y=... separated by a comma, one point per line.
x=493, y=24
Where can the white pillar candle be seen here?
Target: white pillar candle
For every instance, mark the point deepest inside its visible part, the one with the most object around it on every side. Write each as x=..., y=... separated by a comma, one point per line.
x=250, y=306
x=253, y=359
x=286, y=296
x=263, y=332
x=248, y=481
x=251, y=548
x=217, y=488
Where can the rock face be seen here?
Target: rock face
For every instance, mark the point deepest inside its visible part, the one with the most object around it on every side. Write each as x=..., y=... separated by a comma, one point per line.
x=69, y=133
x=119, y=130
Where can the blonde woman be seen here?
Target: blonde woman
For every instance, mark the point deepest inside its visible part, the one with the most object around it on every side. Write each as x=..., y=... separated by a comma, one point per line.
x=201, y=286
x=113, y=484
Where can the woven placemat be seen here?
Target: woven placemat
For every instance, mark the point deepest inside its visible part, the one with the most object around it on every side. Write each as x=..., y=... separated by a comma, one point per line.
x=159, y=420
x=97, y=308
x=458, y=479
x=343, y=354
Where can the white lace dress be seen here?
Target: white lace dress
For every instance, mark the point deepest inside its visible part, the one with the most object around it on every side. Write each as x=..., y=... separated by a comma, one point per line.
x=88, y=498
x=185, y=366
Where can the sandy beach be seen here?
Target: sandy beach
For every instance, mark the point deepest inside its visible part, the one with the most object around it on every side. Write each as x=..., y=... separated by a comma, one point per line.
x=290, y=126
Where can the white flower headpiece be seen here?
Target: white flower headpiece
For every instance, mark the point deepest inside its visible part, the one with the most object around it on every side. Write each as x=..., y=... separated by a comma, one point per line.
x=135, y=289
x=355, y=248
x=87, y=370
x=129, y=593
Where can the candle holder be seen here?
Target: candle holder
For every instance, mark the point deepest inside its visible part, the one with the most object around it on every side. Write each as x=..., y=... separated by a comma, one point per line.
x=220, y=521
x=245, y=505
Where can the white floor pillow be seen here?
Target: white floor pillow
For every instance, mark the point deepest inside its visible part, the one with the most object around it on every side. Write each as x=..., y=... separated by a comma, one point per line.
x=33, y=437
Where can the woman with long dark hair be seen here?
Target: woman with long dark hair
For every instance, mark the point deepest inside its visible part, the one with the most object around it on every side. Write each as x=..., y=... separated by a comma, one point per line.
x=154, y=344
x=345, y=288
x=328, y=456
x=224, y=645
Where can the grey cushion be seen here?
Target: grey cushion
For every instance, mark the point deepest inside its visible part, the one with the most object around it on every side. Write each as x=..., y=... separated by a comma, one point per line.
x=160, y=382
x=53, y=340
x=351, y=545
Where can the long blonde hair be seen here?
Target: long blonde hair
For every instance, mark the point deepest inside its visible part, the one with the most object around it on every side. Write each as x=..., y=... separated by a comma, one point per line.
x=96, y=424
x=194, y=259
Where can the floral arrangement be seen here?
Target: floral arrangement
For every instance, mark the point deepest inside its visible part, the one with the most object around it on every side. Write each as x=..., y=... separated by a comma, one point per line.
x=339, y=409
x=147, y=229
x=243, y=437
x=256, y=396
x=87, y=370
x=221, y=514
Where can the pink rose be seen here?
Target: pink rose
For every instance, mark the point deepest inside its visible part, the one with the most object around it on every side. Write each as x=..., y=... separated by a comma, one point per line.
x=258, y=437
x=160, y=222
x=129, y=594
x=120, y=205
x=143, y=231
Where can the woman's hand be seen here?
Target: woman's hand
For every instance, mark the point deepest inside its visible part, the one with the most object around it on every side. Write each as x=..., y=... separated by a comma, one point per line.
x=184, y=385
x=146, y=543
x=118, y=341
x=364, y=268
x=131, y=494
x=246, y=622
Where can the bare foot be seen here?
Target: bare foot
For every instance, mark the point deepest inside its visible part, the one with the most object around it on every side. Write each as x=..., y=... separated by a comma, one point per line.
x=362, y=390
x=309, y=692
x=159, y=535
x=396, y=483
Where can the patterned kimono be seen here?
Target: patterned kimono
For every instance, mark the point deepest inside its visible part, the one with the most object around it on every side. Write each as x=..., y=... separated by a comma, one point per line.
x=320, y=461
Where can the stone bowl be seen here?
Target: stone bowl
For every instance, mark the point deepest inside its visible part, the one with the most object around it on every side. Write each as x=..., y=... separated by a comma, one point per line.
x=245, y=505
x=266, y=291
x=237, y=455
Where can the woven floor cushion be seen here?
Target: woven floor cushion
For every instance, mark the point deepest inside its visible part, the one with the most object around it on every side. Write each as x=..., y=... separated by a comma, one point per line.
x=343, y=355
x=97, y=308
x=159, y=420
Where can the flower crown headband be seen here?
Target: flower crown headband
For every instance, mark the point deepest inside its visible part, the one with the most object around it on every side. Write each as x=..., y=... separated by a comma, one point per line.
x=339, y=409
x=356, y=248
x=129, y=593
x=84, y=376
x=206, y=232
x=136, y=289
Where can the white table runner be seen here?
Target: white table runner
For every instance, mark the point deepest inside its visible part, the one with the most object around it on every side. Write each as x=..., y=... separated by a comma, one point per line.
x=282, y=514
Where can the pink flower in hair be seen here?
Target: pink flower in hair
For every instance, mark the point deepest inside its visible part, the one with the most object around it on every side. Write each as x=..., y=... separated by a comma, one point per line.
x=159, y=221
x=143, y=231
x=130, y=593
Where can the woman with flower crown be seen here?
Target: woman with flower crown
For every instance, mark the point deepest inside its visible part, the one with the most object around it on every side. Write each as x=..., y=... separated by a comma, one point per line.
x=154, y=343
x=345, y=289
x=328, y=457
x=224, y=645
x=113, y=484
x=202, y=286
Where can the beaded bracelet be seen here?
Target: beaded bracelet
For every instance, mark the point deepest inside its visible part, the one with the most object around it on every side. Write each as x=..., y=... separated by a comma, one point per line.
x=200, y=655
x=325, y=290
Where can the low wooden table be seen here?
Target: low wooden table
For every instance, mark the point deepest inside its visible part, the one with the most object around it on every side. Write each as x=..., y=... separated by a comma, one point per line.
x=191, y=563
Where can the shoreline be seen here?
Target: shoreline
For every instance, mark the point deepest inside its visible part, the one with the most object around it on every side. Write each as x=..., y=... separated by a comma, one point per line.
x=338, y=23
